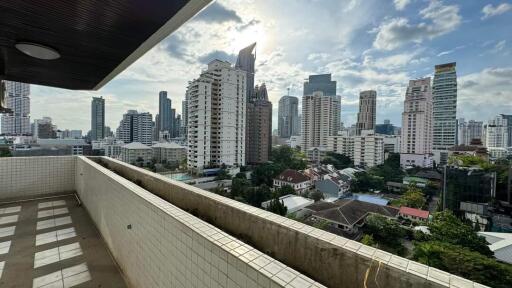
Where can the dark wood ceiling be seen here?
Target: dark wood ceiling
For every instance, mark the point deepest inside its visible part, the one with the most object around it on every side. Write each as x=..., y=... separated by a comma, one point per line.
x=93, y=37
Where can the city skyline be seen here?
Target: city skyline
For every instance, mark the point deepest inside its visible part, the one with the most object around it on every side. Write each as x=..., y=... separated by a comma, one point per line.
x=363, y=54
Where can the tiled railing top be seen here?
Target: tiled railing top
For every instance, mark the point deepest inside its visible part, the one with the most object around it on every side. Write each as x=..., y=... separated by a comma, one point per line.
x=403, y=264
x=235, y=250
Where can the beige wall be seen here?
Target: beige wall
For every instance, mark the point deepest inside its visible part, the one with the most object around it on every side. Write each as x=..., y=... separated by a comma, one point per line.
x=27, y=177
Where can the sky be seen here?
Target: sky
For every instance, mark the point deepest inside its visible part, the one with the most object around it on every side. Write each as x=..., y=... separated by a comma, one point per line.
x=365, y=44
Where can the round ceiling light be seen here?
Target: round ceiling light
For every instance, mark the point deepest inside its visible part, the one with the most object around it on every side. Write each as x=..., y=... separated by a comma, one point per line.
x=38, y=51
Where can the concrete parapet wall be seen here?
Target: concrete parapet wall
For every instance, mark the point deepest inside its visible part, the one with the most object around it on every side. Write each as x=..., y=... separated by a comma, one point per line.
x=157, y=244
x=329, y=259
x=29, y=177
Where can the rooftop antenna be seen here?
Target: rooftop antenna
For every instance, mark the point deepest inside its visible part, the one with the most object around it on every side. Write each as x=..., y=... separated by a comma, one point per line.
x=288, y=91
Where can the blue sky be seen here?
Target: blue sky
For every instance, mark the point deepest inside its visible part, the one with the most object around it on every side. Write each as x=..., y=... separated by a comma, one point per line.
x=365, y=44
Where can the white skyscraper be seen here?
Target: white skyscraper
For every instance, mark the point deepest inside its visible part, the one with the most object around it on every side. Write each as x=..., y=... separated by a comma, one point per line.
x=416, y=142
x=136, y=127
x=444, y=91
x=216, y=117
x=320, y=119
x=367, y=115
x=496, y=137
x=17, y=100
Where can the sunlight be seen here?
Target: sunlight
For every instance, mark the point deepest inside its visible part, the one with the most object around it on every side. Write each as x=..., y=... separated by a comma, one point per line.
x=244, y=37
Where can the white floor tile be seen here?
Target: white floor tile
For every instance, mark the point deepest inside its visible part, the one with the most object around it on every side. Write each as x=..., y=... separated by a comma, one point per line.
x=9, y=210
x=53, y=222
x=7, y=231
x=57, y=254
x=47, y=279
x=4, y=247
x=54, y=236
x=8, y=219
x=52, y=212
x=77, y=279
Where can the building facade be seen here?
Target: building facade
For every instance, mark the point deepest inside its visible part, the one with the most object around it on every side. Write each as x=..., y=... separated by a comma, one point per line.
x=320, y=119
x=444, y=91
x=367, y=115
x=136, y=127
x=169, y=152
x=136, y=153
x=17, y=100
x=97, y=118
x=417, y=125
x=164, y=112
x=259, y=127
x=245, y=62
x=368, y=150
x=216, y=117
x=322, y=83
x=288, y=123
x=496, y=137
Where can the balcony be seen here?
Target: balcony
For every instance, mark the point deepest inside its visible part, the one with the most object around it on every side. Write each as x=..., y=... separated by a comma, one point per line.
x=163, y=233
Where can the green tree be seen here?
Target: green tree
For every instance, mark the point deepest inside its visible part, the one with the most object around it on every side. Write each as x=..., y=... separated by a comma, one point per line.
x=339, y=161
x=390, y=170
x=265, y=173
x=277, y=206
x=447, y=228
x=288, y=158
x=256, y=195
x=316, y=195
x=413, y=197
x=387, y=233
x=222, y=175
x=463, y=262
x=284, y=190
x=5, y=153
x=365, y=182
x=239, y=187
x=368, y=240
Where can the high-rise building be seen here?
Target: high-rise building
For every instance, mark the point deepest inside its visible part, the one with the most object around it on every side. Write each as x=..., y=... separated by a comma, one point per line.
x=496, y=137
x=245, y=62
x=444, y=91
x=164, y=111
x=322, y=83
x=366, y=150
x=17, y=100
x=509, y=128
x=97, y=118
x=416, y=142
x=184, y=118
x=156, y=128
x=288, y=123
x=468, y=131
x=173, y=131
x=136, y=127
x=385, y=128
x=259, y=126
x=216, y=117
x=320, y=119
x=367, y=115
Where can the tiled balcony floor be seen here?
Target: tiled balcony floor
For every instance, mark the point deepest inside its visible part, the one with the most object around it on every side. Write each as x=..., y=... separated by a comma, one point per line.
x=53, y=243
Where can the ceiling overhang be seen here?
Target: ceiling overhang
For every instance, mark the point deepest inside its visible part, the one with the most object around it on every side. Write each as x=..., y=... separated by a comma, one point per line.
x=96, y=39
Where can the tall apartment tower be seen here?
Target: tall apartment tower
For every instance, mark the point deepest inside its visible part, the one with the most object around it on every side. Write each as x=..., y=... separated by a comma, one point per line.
x=259, y=123
x=97, y=118
x=416, y=146
x=444, y=91
x=184, y=118
x=496, y=137
x=245, y=62
x=288, y=123
x=474, y=130
x=509, y=128
x=322, y=83
x=367, y=115
x=216, y=117
x=320, y=119
x=136, y=127
x=17, y=100
x=164, y=112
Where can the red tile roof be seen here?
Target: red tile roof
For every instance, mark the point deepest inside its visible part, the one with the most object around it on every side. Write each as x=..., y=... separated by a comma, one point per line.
x=414, y=212
x=292, y=176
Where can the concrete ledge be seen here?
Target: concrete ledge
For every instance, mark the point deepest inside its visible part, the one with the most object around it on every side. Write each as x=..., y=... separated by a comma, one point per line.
x=329, y=259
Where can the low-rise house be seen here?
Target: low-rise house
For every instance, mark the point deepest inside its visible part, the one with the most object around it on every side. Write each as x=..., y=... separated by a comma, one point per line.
x=293, y=203
x=135, y=153
x=348, y=215
x=335, y=186
x=413, y=214
x=169, y=152
x=418, y=182
x=298, y=181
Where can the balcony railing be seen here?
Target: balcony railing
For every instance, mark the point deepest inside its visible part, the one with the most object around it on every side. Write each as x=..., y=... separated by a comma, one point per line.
x=164, y=233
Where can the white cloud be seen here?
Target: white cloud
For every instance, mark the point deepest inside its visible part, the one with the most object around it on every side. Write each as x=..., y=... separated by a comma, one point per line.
x=490, y=11
x=489, y=88
x=499, y=46
x=450, y=51
x=396, y=32
x=396, y=61
x=401, y=4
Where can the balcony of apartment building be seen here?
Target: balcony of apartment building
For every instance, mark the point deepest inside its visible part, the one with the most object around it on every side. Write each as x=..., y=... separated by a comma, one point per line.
x=73, y=221
x=98, y=222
